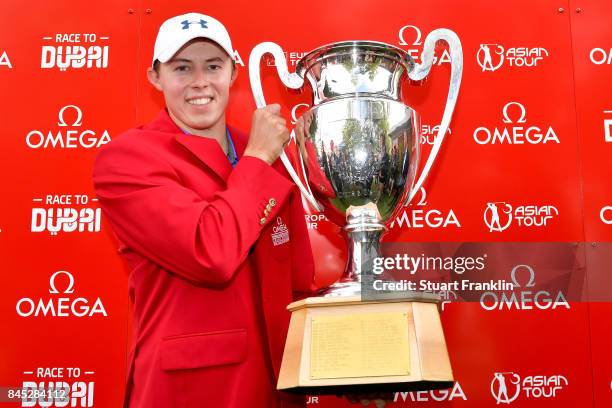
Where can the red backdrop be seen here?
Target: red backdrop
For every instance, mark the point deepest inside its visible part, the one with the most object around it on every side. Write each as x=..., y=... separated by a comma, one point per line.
x=532, y=127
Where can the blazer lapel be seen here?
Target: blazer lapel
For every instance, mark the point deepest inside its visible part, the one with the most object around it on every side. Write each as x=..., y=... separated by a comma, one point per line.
x=208, y=152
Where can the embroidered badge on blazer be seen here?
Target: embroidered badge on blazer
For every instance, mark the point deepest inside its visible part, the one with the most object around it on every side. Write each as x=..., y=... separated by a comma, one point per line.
x=280, y=232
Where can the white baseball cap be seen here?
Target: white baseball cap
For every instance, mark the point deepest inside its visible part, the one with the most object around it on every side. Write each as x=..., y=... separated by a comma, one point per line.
x=178, y=31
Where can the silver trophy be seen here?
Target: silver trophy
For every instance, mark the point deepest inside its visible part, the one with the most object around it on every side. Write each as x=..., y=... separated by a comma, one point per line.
x=359, y=143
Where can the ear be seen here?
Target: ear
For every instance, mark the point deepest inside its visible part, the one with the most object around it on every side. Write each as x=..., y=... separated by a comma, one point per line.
x=234, y=75
x=153, y=77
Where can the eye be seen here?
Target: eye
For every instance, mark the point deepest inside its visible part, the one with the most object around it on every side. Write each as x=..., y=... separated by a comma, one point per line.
x=214, y=67
x=181, y=68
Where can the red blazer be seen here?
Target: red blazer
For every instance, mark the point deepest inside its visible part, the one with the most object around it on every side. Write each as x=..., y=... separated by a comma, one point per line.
x=211, y=274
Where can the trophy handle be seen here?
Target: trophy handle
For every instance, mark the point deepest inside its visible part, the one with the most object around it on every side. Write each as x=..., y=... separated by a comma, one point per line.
x=290, y=80
x=419, y=72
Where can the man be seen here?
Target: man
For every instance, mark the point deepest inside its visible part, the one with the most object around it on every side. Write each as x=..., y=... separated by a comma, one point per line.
x=212, y=229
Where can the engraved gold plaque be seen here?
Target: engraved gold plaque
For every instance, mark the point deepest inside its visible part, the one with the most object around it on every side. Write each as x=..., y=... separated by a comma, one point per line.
x=359, y=345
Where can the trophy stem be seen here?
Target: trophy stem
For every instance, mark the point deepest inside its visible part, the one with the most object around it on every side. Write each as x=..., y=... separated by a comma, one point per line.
x=363, y=247
x=363, y=231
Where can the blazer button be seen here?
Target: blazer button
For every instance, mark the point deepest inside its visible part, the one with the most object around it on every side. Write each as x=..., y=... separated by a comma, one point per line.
x=262, y=221
x=272, y=202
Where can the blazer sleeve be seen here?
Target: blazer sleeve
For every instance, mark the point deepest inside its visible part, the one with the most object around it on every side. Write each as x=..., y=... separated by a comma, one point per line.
x=152, y=213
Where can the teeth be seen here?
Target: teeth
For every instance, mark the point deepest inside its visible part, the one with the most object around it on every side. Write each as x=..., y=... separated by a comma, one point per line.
x=200, y=101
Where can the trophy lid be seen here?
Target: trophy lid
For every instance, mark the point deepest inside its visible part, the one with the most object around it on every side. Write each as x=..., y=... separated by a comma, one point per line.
x=373, y=48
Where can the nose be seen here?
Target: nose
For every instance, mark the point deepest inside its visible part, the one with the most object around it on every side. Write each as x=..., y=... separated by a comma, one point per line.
x=200, y=79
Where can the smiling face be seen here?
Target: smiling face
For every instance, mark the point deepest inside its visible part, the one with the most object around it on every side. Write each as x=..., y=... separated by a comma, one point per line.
x=196, y=83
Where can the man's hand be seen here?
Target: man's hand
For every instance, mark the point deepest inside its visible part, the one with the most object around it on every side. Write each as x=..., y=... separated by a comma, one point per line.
x=269, y=134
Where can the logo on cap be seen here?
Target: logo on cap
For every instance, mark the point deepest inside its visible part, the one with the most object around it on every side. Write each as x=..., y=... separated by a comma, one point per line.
x=187, y=23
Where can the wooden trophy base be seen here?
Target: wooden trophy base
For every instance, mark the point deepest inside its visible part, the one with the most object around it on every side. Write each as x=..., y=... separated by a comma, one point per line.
x=339, y=345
